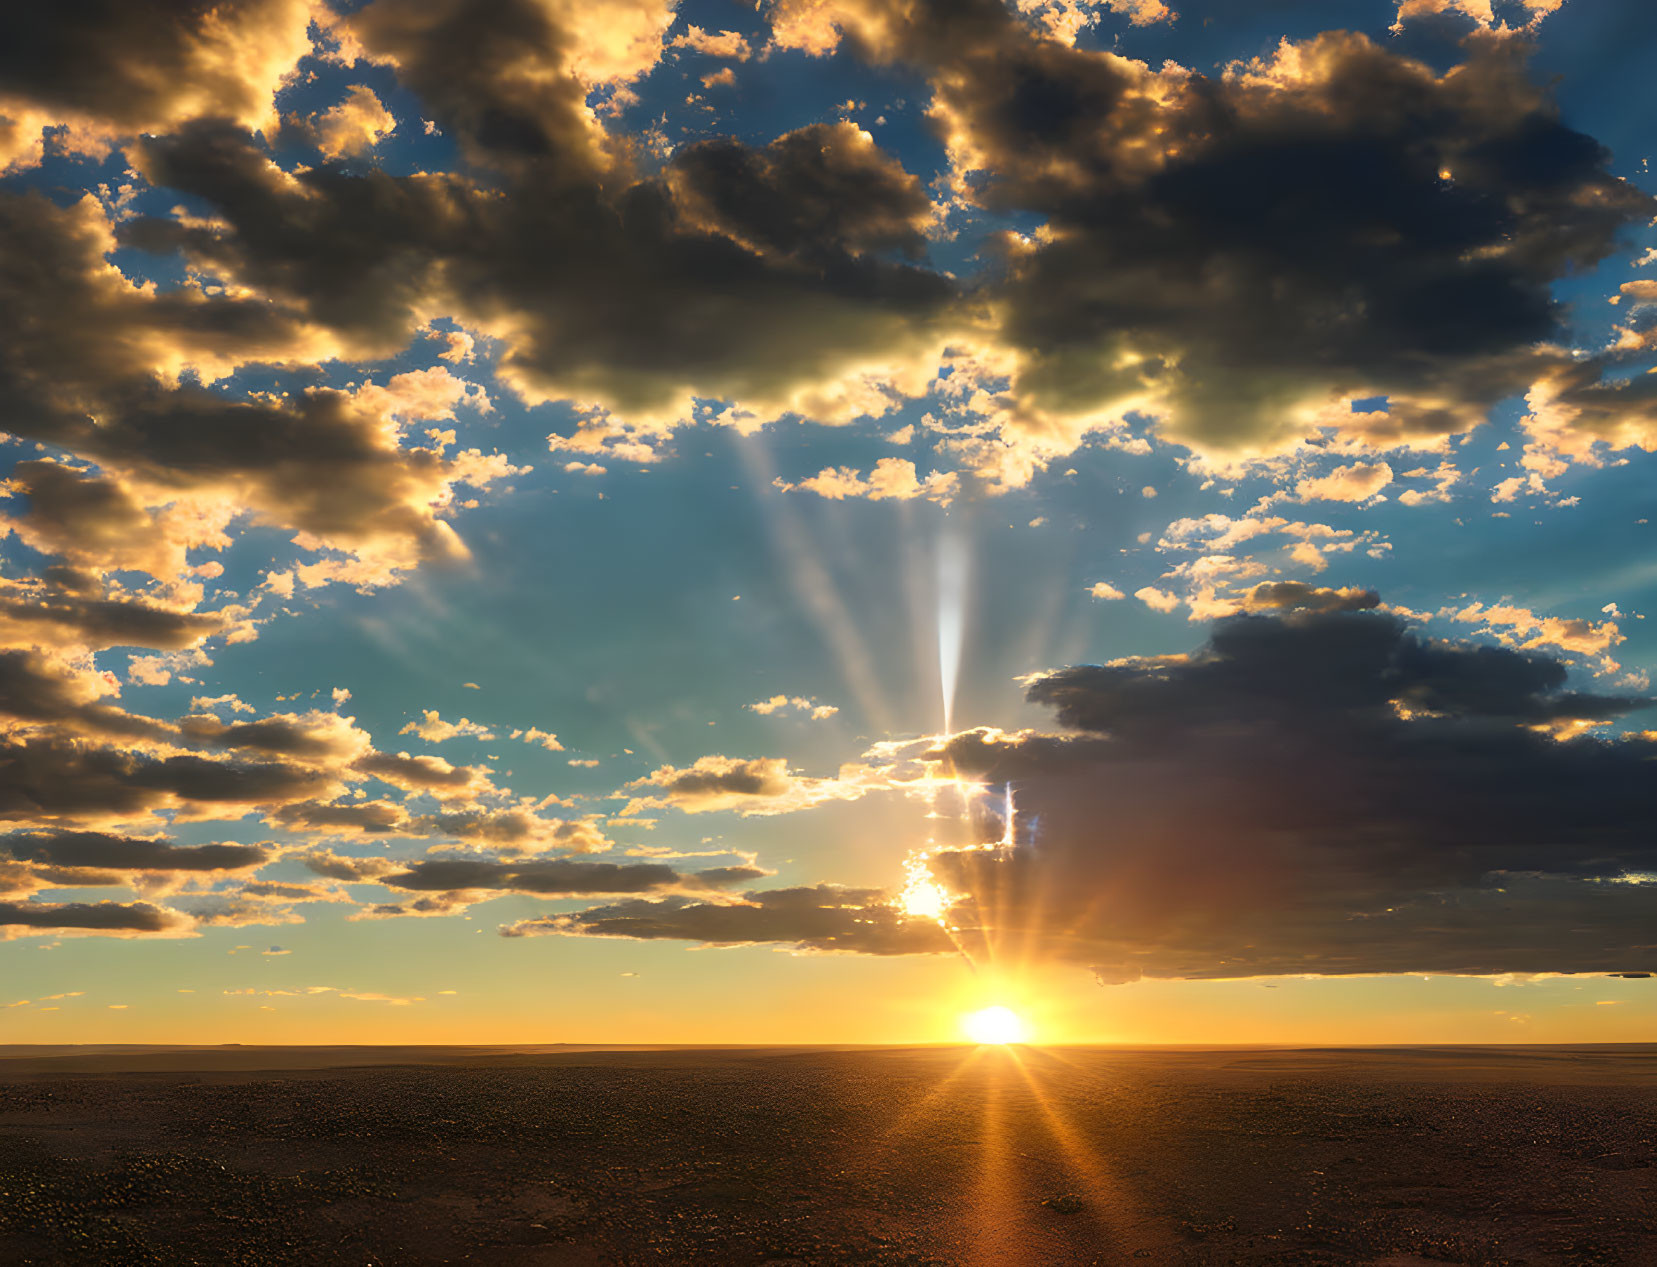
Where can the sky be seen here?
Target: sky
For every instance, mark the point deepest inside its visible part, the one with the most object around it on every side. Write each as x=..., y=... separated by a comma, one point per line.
x=546, y=521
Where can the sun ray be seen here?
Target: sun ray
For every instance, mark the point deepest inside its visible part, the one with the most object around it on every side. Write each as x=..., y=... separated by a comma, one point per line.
x=1108, y=1202
x=914, y=1115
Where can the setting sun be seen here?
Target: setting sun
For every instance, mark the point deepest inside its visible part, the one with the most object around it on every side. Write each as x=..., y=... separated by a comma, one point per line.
x=994, y=1025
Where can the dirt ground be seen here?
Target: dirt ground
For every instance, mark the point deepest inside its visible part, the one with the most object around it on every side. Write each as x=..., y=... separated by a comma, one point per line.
x=876, y=1156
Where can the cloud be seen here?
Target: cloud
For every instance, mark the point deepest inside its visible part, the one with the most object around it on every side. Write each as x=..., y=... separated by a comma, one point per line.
x=369, y=817
x=354, y=126
x=336, y=866
x=716, y=782
x=229, y=702
x=316, y=736
x=544, y=876
x=726, y=44
x=1242, y=257
x=748, y=785
x=545, y=738
x=129, y=853
x=1520, y=627
x=94, y=917
x=512, y=78
x=1237, y=258
x=19, y=880
x=433, y=729
x=1355, y=483
x=113, y=69
x=1487, y=15
x=431, y=775
x=893, y=479
x=1316, y=791
x=797, y=703
x=1295, y=595
x=1156, y=599
x=1214, y=578
x=826, y=186
x=57, y=780
x=823, y=918
x=43, y=689
x=729, y=877
x=781, y=245
x=253, y=905
x=121, y=374
x=36, y=615
x=1443, y=295
x=1064, y=20
x=513, y=831
x=1445, y=477
x=106, y=524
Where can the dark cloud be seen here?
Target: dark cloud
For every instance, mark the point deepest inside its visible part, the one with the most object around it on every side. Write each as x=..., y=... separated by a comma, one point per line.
x=81, y=343
x=368, y=817
x=823, y=186
x=37, y=689
x=495, y=72
x=549, y=876
x=336, y=866
x=1328, y=670
x=104, y=917
x=729, y=877
x=423, y=774
x=59, y=780
x=86, y=518
x=605, y=286
x=1342, y=222
x=314, y=736
x=1322, y=791
x=32, y=616
x=19, y=879
x=278, y=891
x=825, y=917
x=512, y=830
x=1289, y=595
x=128, y=853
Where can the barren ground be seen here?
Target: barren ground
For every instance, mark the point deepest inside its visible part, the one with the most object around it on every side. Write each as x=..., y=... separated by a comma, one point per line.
x=797, y=1156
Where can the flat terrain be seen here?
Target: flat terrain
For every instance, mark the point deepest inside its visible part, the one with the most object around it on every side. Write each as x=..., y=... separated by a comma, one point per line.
x=879, y=1156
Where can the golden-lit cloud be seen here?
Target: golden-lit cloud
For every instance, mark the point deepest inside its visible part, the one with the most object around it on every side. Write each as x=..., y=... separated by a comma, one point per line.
x=750, y=786
x=797, y=704
x=355, y=125
x=433, y=729
x=110, y=71
x=891, y=479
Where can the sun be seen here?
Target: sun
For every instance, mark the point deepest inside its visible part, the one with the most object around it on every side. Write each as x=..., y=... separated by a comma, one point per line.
x=994, y=1026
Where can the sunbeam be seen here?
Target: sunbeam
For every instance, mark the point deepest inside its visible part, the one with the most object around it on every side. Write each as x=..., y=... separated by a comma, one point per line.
x=953, y=577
